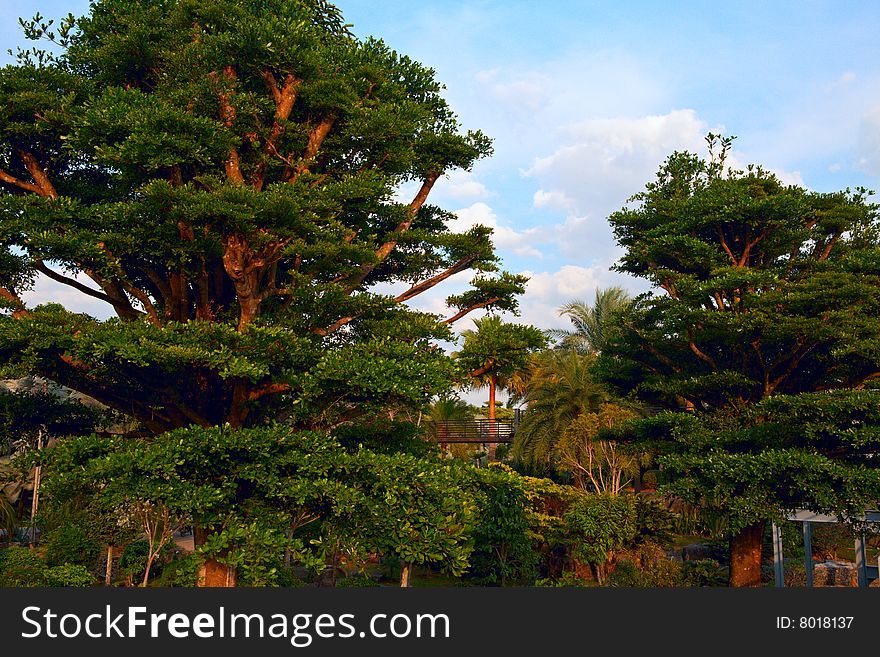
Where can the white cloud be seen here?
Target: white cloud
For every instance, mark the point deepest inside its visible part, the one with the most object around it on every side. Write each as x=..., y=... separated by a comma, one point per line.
x=547, y=291
x=503, y=237
x=869, y=142
x=46, y=290
x=607, y=160
x=460, y=184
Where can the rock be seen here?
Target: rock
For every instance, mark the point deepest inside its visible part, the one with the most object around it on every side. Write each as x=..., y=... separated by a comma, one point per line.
x=835, y=573
x=696, y=552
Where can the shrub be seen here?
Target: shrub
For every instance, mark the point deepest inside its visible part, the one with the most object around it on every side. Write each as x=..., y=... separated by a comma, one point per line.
x=503, y=547
x=70, y=574
x=133, y=562
x=71, y=544
x=663, y=574
x=21, y=567
x=703, y=572
x=182, y=572
x=599, y=526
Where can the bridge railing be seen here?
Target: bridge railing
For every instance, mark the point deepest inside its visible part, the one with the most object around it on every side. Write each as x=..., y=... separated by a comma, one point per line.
x=473, y=431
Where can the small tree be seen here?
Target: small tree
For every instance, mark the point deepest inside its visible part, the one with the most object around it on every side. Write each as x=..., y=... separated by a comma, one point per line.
x=595, y=464
x=494, y=351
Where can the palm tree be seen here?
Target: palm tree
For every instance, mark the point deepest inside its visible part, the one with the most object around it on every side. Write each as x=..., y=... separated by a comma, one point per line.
x=591, y=323
x=493, y=352
x=560, y=388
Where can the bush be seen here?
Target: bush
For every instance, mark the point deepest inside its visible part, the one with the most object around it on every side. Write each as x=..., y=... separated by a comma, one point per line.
x=360, y=580
x=133, y=562
x=599, y=526
x=663, y=574
x=181, y=572
x=70, y=544
x=503, y=547
x=21, y=567
x=704, y=572
x=70, y=574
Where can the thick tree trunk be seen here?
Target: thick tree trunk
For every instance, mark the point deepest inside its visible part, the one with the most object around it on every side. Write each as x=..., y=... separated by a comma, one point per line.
x=745, y=556
x=492, y=427
x=212, y=573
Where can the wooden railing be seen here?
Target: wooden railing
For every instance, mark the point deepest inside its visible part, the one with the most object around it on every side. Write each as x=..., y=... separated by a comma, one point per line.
x=473, y=431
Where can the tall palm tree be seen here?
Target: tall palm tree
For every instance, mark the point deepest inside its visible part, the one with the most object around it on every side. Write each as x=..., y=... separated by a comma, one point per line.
x=560, y=389
x=590, y=333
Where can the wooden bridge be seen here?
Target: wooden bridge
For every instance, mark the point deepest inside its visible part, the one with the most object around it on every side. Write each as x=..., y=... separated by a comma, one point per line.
x=475, y=431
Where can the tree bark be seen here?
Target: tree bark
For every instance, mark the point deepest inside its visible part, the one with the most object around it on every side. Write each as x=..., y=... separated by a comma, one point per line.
x=493, y=382
x=212, y=573
x=109, y=569
x=745, y=556
x=405, y=573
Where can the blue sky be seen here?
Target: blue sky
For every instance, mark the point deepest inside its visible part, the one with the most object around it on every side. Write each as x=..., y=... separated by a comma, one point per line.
x=585, y=99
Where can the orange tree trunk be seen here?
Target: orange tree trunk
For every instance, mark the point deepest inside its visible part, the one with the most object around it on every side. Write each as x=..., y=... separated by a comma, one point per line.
x=213, y=573
x=492, y=429
x=745, y=556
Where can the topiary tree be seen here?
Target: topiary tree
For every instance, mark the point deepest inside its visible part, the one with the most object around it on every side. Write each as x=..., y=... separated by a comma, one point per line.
x=763, y=345
x=228, y=178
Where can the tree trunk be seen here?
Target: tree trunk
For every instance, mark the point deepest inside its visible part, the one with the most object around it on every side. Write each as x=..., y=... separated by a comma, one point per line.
x=745, y=556
x=212, y=573
x=492, y=428
x=109, y=569
x=405, y=573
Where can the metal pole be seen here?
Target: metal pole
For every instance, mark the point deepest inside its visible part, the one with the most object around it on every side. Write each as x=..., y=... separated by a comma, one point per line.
x=861, y=561
x=808, y=552
x=777, y=557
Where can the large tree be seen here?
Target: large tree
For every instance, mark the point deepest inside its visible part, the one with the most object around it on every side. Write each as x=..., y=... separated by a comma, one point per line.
x=228, y=177
x=764, y=342
x=245, y=183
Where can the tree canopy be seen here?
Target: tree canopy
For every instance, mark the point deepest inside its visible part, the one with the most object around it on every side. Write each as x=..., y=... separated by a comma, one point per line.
x=245, y=183
x=768, y=332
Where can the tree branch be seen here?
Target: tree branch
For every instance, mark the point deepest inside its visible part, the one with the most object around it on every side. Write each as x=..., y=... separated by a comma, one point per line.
x=316, y=139
x=39, y=174
x=385, y=250
x=699, y=353
x=12, y=297
x=461, y=313
x=425, y=285
x=40, y=266
x=227, y=115
x=21, y=184
x=284, y=98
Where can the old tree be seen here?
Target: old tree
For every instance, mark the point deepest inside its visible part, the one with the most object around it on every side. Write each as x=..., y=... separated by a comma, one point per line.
x=245, y=183
x=764, y=344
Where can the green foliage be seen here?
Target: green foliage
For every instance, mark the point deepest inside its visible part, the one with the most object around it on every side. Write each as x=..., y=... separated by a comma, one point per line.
x=69, y=574
x=263, y=492
x=133, y=561
x=8, y=519
x=591, y=324
x=600, y=525
x=70, y=544
x=182, y=571
x=25, y=412
x=226, y=175
x=504, y=551
x=767, y=331
x=20, y=566
x=498, y=349
x=560, y=387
